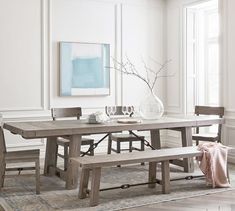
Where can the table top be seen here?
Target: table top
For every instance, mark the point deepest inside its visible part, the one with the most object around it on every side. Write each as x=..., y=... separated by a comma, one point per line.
x=36, y=129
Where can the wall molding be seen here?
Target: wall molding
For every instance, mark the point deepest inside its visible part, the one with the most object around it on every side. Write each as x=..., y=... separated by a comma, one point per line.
x=118, y=54
x=42, y=45
x=179, y=106
x=22, y=109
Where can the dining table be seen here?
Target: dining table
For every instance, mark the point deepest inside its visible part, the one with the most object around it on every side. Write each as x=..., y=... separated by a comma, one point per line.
x=75, y=129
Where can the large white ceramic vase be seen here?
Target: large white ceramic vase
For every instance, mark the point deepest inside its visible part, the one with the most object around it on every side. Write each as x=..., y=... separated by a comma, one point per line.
x=151, y=107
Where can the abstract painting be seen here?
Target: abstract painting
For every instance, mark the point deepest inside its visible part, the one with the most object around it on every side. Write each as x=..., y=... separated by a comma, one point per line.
x=84, y=69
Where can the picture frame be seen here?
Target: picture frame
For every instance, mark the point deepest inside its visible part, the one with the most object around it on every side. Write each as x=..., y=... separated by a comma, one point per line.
x=84, y=69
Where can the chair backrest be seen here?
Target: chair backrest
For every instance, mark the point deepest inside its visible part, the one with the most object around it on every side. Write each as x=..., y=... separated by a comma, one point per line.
x=58, y=113
x=2, y=142
x=209, y=110
x=119, y=110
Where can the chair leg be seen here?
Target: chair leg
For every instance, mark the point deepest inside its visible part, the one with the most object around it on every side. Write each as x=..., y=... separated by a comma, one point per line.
x=118, y=146
x=118, y=149
x=2, y=174
x=56, y=157
x=37, y=174
x=92, y=150
x=142, y=149
x=109, y=144
x=66, y=156
x=141, y=146
x=130, y=146
x=228, y=174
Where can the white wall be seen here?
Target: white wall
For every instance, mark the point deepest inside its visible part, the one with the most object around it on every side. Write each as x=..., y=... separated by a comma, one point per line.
x=21, y=55
x=228, y=52
x=133, y=28
x=175, y=90
x=29, y=56
x=22, y=82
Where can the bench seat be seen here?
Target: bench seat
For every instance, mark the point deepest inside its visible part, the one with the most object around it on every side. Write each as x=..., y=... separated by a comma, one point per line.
x=95, y=164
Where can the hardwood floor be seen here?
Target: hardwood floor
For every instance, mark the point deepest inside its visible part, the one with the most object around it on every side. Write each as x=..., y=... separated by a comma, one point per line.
x=223, y=201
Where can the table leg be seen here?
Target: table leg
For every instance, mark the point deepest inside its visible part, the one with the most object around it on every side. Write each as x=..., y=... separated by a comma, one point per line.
x=156, y=143
x=186, y=134
x=155, y=138
x=50, y=157
x=72, y=171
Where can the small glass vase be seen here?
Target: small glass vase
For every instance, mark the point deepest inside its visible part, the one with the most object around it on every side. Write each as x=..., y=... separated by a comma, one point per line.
x=151, y=107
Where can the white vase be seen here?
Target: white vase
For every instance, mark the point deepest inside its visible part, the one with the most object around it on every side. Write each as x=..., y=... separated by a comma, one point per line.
x=151, y=107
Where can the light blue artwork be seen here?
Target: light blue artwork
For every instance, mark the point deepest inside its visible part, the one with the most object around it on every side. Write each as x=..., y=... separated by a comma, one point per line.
x=84, y=69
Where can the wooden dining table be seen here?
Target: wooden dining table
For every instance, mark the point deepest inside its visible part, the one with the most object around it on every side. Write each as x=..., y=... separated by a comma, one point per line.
x=75, y=129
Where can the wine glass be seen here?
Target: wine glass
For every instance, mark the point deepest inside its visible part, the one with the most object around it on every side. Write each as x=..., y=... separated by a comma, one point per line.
x=113, y=110
x=124, y=110
x=109, y=111
x=130, y=110
x=127, y=110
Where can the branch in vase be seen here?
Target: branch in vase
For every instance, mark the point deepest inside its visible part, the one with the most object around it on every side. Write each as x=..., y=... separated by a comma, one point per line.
x=130, y=69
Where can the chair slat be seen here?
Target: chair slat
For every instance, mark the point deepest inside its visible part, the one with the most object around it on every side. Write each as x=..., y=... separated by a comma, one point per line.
x=66, y=112
x=209, y=110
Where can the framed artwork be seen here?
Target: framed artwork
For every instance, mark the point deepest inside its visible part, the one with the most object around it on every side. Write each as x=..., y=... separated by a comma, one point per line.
x=84, y=69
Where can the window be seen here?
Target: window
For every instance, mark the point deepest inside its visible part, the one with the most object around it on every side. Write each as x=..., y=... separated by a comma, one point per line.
x=202, y=55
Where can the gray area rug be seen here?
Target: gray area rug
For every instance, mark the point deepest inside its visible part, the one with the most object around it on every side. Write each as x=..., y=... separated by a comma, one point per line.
x=19, y=192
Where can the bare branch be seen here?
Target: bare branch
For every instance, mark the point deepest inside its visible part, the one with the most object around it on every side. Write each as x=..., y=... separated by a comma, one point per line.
x=130, y=69
x=158, y=72
x=146, y=70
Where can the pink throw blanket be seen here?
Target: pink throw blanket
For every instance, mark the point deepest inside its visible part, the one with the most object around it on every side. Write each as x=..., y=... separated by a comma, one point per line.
x=213, y=163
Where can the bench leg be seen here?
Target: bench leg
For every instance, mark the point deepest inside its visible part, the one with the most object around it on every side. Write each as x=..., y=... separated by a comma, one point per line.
x=152, y=174
x=83, y=186
x=95, y=186
x=165, y=177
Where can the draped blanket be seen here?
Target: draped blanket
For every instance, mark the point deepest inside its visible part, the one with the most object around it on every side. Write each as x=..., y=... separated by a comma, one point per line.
x=213, y=163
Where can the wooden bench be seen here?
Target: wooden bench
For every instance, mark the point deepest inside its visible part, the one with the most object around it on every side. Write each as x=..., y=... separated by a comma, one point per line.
x=94, y=164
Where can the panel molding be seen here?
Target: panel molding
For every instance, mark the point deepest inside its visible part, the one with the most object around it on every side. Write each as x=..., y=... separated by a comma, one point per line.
x=118, y=53
x=42, y=45
x=178, y=107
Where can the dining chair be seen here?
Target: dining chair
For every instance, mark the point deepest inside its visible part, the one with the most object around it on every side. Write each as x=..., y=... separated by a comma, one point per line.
x=68, y=113
x=14, y=157
x=123, y=137
x=212, y=137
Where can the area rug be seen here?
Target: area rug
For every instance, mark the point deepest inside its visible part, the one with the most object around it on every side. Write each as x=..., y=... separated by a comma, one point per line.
x=19, y=192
